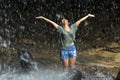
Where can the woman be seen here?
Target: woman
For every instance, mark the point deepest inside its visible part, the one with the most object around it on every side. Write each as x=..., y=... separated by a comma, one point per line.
x=68, y=49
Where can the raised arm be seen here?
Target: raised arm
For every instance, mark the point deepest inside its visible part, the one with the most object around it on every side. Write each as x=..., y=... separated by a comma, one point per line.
x=48, y=20
x=84, y=18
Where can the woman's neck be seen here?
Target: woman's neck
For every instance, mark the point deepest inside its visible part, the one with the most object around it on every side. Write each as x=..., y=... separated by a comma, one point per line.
x=67, y=28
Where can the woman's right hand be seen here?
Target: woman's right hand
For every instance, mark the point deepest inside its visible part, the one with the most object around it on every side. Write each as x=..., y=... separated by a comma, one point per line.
x=91, y=15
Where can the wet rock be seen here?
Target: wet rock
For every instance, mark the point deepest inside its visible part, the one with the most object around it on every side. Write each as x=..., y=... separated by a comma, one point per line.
x=98, y=78
x=5, y=44
x=73, y=75
x=78, y=75
x=26, y=60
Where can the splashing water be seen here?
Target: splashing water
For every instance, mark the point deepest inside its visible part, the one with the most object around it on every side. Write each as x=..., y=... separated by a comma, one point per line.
x=40, y=74
x=45, y=74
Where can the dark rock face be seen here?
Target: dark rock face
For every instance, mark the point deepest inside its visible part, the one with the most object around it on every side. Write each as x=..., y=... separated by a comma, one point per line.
x=26, y=60
x=118, y=76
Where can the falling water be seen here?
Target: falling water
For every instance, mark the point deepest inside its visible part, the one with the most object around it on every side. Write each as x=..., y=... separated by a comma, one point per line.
x=18, y=23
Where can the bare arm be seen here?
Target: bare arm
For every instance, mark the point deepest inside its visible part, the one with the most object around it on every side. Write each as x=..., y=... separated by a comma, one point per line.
x=48, y=20
x=84, y=18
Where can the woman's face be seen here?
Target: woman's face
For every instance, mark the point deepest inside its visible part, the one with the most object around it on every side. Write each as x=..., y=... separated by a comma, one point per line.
x=64, y=22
